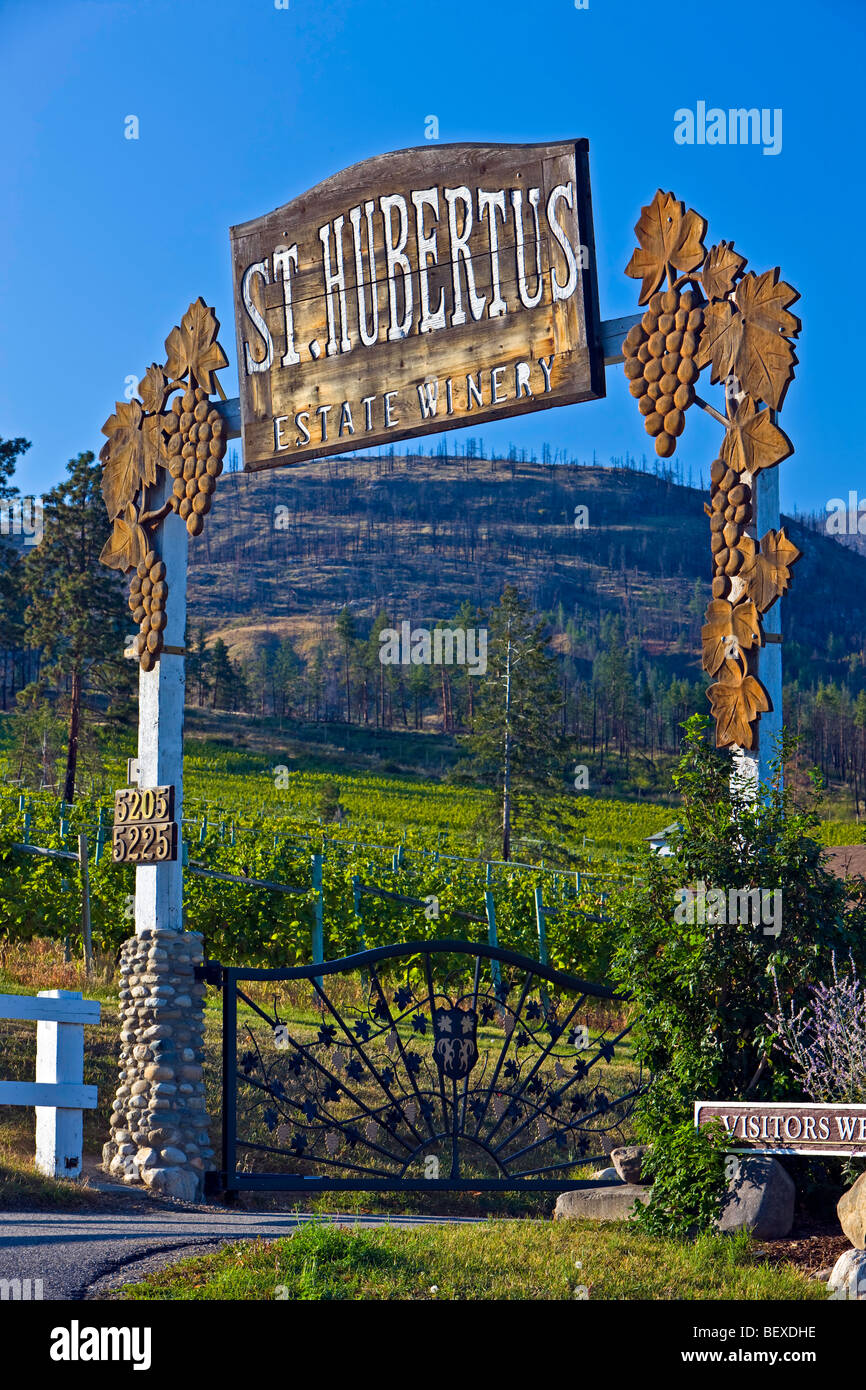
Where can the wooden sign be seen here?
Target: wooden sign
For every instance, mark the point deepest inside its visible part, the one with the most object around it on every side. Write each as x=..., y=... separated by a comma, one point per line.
x=144, y=831
x=419, y=291
x=792, y=1127
x=148, y=842
x=134, y=804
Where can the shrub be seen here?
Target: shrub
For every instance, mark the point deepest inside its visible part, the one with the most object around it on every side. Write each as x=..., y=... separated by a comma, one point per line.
x=703, y=991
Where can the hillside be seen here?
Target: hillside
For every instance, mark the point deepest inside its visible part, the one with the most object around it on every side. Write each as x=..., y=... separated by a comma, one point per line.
x=283, y=552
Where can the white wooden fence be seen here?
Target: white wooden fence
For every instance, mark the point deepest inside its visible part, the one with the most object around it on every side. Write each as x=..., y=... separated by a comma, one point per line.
x=58, y=1093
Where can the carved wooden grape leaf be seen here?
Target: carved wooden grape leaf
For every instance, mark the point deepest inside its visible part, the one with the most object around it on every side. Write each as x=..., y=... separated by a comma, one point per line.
x=720, y=270
x=128, y=462
x=668, y=236
x=193, y=346
x=749, y=337
x=766, y=572
x=151, y=389
x=154, y=446
x=127, y=545
x=753, y=441
x=737, y=700
x=727, y=628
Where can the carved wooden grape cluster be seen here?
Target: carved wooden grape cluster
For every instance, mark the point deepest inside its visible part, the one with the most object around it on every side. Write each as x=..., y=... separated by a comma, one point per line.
x=196, y=449
x=659, y=363
x=187, y=439
x=147, y=600
x=740, y=326
x=731, y=512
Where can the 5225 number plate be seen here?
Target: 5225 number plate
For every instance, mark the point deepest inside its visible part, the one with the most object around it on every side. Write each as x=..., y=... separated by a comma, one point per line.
x=133, y=805
x=148, y=842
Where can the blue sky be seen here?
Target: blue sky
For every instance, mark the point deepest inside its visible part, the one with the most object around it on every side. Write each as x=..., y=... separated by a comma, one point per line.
x=242, y=106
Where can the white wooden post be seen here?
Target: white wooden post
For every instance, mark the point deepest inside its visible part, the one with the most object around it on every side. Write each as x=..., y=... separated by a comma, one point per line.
x=59, y=1059
x=752, y=768
x=770, y=724
x=159, y=887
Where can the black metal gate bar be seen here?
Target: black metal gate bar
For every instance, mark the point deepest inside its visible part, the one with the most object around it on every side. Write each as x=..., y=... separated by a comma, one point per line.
x=365, y=1095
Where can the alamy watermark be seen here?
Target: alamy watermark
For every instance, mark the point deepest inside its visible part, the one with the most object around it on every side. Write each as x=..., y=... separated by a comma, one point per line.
x=740, y=126
x=702, y=906
x=22, y=516
x=846, y=521
x=21, y=1290
x=441, y=646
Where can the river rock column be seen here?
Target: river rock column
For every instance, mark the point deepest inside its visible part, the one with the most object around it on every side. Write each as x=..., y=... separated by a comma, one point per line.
x=159, y=1122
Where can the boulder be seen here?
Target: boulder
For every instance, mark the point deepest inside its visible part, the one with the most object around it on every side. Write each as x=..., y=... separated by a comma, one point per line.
x=147, y=1158
x=851, y=1210
x=607, y=1175
x=172, y=1155
x=628, y=1162
x=123, y=1166
x=759, y=1199
x=173, y=1182
x=848, y=1276
x=612, y=1203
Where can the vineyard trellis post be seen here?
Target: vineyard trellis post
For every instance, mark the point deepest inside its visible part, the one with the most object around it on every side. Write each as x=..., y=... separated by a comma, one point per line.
x=319, y=910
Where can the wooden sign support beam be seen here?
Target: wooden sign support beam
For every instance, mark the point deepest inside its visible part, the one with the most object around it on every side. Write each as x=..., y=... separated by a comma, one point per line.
x=769, y=661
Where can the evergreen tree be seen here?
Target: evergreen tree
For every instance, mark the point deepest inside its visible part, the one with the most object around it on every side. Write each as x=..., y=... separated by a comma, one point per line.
x=515, y=738
x=11, y=616
x=346, y=631
x=198, y=662
x=223, y=677
x=76, y=610
x=288, y=677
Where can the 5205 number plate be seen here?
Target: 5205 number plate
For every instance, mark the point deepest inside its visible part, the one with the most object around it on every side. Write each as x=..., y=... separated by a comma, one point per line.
x=150, y=842
x=133, y=805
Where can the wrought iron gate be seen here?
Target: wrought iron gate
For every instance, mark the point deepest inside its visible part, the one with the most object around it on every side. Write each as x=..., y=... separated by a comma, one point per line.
x=441, y=1064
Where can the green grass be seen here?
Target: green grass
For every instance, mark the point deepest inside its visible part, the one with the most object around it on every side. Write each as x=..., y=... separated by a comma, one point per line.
x=493, y=1260
x=22, y=1188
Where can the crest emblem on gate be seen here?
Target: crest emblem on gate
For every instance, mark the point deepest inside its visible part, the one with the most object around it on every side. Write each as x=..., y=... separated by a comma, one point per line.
x=456, y=1046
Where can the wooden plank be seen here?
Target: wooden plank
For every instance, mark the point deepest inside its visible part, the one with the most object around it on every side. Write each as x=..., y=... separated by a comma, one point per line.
x=59, y=1062
x=146, y=842
x=135, y=805
x=611, y=334
x=31, y=1008
x=787, y=1126
x=423, y=290
x=54, y=1095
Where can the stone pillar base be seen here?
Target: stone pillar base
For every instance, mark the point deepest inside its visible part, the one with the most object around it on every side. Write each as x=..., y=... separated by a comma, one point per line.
x=159, y=1123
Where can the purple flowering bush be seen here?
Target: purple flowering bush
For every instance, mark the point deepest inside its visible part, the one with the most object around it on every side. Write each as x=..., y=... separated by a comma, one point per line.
x=825, y=1041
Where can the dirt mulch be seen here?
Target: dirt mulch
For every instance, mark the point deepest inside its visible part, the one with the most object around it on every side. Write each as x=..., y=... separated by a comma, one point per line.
x=811, y=1247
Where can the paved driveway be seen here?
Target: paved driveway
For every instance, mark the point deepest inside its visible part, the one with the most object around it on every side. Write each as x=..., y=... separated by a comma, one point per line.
x=84, y=1254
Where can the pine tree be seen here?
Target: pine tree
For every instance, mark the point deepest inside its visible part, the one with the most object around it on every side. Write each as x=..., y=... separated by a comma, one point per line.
x=76, y=611
x=288, y=676
x=515, y=737
x=198, y=662
x=346, y=630
x=11, y=618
